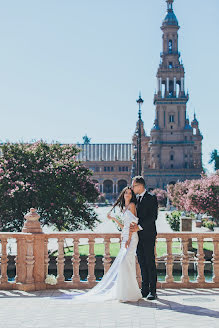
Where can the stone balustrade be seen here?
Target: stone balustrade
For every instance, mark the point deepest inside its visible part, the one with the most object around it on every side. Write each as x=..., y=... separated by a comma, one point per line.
x=32, y=260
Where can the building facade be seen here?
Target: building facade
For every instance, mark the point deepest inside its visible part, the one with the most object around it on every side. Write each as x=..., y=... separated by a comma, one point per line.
x=173, y=150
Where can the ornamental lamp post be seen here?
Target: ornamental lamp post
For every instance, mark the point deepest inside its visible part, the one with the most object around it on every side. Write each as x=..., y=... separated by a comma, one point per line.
x=139, y=166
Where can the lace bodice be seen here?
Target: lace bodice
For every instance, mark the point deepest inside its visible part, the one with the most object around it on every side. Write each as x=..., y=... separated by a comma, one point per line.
x=128, y=217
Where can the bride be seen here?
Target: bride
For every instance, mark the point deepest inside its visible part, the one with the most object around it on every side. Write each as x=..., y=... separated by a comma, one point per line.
x=120, y=283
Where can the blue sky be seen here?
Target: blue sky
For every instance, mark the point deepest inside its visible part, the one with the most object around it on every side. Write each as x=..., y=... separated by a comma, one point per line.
x=70, y=68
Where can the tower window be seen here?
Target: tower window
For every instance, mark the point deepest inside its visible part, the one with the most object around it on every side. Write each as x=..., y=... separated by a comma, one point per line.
x=171, y=157
x=171, y=166
x=171, y=127
x=170, y=65
x=186, y=165
x=170, y=46
x=171, y=118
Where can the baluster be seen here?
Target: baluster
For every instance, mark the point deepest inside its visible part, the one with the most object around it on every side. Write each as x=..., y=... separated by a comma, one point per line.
x=169, y=263
x=46, y=257
x=91, y=261
x=107, y=258
x=29, y=260
x=185, y=261
x=216, y=260
x=76, y=261
x=120, y=241
x=201, y=258
x=20, y=260
x=60, y=261
x=4, y=261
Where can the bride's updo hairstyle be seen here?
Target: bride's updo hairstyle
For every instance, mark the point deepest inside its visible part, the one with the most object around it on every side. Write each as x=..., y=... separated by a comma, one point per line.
x=121, y=199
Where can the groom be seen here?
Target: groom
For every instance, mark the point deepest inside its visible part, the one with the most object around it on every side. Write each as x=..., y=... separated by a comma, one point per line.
x=147, y=209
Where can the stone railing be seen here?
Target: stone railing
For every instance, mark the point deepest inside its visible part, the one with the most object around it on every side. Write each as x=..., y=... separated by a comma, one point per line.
x=32, y=258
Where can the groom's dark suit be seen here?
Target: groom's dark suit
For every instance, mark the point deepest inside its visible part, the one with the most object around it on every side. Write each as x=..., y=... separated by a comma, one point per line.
x=147, y=210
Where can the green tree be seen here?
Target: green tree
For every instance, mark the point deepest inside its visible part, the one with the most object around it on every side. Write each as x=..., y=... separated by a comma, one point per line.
x=49, y=178
x=215, y=159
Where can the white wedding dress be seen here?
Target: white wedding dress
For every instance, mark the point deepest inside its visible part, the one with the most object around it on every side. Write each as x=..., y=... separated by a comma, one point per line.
x=119, y=283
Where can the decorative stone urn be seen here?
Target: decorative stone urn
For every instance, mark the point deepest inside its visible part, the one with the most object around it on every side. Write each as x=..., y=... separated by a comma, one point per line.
x=32, y=223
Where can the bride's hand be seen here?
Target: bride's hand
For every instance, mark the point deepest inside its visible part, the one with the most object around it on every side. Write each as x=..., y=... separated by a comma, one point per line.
x=127, y=244
x=134, y=227
x=109, y=216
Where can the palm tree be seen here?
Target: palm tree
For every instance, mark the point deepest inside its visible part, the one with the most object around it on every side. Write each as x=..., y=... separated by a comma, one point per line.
x=214, y=159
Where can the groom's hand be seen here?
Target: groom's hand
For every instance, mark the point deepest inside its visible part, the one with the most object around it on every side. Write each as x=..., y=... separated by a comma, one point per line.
x=134, y=227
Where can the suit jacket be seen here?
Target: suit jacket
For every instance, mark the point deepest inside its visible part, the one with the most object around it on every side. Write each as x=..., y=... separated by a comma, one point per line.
x=147, y=211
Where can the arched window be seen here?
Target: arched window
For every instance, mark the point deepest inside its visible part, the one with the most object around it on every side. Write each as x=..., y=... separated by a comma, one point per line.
x=121, y=185
x=108, y=186
x=170, y=46
x=171, y=118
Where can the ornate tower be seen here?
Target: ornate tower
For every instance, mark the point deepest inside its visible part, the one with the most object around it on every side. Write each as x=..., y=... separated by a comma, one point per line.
x=175, y=150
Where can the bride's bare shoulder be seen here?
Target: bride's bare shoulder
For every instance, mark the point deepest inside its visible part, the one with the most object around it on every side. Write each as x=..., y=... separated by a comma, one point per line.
x=132, y=208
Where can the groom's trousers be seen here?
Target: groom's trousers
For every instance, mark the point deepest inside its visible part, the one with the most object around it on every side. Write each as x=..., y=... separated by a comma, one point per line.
x=146, y=260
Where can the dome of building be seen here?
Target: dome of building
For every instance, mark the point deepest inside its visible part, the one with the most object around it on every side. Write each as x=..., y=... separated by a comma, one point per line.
x=187, y=125
x=170, y=18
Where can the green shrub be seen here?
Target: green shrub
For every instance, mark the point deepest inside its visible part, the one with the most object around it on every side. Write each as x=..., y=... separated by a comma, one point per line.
x=208, y=224
x=174, y=220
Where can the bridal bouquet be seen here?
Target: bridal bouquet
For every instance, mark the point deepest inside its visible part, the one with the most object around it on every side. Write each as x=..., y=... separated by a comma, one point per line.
x=50, y=279
x=120, y=220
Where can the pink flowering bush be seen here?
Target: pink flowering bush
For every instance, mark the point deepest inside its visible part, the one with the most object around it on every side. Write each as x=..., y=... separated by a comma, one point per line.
x=161, y=196
x=49, y=178
x=199, y=196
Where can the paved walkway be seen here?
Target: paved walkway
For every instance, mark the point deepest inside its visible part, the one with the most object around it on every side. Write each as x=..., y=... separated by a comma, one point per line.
x=174, y=308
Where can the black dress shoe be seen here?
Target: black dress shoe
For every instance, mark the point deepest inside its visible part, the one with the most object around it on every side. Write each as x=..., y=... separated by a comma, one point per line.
x=152, y=296
x=144, y=293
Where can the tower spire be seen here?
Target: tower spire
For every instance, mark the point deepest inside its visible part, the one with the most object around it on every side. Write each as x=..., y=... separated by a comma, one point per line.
x=169, y=5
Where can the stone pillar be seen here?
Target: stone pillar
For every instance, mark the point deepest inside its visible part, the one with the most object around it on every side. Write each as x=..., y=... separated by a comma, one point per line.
x=186, y=225
x=168, y=88
x=35, y=257
x=182, y=84
x=174, y=86
x=158, y=85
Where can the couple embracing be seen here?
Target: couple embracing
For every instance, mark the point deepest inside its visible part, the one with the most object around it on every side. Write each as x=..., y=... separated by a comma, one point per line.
x=138, y=236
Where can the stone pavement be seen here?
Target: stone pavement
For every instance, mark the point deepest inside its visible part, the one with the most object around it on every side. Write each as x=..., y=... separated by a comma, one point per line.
x=54, y=308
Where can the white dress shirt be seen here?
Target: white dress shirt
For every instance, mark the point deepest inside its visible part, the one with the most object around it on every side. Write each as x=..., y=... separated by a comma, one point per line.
x=141, y=195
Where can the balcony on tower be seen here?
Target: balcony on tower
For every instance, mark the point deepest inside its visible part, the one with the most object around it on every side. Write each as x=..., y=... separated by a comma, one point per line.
x=170, y=88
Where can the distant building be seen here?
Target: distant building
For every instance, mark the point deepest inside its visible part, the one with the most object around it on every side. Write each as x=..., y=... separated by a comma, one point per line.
x=173, y=151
